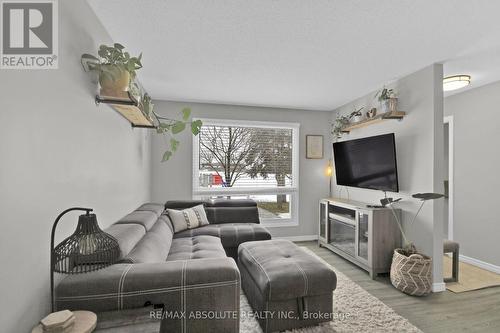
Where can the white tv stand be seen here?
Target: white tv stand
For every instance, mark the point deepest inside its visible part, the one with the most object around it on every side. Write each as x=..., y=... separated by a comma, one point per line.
x=365, y=236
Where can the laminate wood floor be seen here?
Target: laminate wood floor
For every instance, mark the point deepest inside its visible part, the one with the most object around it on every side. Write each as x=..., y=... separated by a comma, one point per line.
x=473, y=311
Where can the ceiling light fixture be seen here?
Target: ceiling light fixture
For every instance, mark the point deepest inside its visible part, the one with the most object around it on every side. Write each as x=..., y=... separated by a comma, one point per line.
x=455, y=82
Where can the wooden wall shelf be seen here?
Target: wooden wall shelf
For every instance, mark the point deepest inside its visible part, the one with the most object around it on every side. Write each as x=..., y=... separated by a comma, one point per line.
x=126, y=105
x=370, y=121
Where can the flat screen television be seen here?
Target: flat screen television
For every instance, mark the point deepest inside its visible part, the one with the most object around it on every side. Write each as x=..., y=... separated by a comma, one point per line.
x=367, y=163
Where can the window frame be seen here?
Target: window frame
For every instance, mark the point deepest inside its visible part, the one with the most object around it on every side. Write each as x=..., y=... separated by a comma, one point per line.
x=293, y=191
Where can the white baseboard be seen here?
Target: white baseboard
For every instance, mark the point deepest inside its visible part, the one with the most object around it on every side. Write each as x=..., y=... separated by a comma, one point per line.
x=438, y=287
x=299, y=238
x=480, y=264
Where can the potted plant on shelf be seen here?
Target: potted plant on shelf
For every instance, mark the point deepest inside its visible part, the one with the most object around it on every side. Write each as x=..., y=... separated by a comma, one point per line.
x=388, y=100
x=342, y=121
x=114, y=66
x=338, y=126
x=357, y=115
x=116, y=70
x=411, y=271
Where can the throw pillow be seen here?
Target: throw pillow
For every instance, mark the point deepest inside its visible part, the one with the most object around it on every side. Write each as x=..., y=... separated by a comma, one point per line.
x=188, y=218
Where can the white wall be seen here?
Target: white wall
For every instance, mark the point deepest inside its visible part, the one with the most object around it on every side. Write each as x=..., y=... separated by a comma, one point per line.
x=173, y=180
x=476, y=120
x=57, y=150
x=419, y=141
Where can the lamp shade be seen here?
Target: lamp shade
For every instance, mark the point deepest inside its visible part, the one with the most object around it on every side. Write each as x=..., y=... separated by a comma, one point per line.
x=87, y=249
x=329, y=169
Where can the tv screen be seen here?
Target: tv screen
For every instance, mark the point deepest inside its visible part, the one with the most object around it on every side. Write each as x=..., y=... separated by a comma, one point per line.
x=367, y=163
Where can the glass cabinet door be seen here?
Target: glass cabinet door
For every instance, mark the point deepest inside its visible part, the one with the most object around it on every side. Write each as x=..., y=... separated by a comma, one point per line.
x=363, y=236
x=343, y=236
x=323, y=219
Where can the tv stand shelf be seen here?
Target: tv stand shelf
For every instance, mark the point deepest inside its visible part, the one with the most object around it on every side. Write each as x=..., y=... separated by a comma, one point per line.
x=365, y=236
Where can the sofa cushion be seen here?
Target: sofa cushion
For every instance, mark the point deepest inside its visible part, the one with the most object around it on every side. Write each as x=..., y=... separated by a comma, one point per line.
x=152, y=207
x=230, y=234
x=188, y=218
x=153, y=247
x=231, y=203
x=222, y=210
x=197, y=247
x=232, y=211
x=183, y=204
x=164, y=217
x=183, y=286
x=144, y=218
x=281, y=270
x=127, y=235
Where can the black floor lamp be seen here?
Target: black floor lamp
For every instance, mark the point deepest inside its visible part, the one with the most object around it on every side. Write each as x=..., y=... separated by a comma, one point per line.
x=87, y=249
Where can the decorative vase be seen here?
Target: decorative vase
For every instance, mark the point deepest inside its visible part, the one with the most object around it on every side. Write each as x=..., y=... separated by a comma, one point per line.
x=393, y=104
x=119, y=83
x=372, y=113
x=411, y=274
x=389, y=105
x=384, y=105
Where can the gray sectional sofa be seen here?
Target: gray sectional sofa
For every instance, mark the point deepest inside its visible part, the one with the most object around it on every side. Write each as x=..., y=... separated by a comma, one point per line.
x=192, y=271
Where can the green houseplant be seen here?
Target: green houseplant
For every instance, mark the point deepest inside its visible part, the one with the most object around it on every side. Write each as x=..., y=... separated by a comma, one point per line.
x=114, y=66
x=387, y=99
x=342, y=121
x=338, y=125
x=411, y=271
x=117, y=72
x=357, y=115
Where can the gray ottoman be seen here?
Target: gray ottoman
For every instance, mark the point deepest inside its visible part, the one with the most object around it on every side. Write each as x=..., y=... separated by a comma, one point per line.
x=286, y=286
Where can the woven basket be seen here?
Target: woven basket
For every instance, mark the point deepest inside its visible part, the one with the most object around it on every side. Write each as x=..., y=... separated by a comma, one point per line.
x=412, y=275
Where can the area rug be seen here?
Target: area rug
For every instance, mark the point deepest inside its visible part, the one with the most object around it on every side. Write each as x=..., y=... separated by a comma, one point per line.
x=470, y=277
x=355, y=310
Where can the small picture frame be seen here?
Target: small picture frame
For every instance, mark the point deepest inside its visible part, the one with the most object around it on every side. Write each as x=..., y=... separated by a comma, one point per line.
x=314, y=146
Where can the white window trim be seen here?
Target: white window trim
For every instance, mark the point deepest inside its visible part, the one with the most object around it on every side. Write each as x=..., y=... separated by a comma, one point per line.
x=293, y=191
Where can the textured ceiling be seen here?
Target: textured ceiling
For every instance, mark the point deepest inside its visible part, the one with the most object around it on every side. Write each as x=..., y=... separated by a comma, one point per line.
x=300, y=54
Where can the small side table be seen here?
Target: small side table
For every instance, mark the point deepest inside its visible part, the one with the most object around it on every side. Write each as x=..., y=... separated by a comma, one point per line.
x=85, y=322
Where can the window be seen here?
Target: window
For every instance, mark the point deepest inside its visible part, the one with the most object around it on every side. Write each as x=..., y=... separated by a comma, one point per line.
x=247, y=159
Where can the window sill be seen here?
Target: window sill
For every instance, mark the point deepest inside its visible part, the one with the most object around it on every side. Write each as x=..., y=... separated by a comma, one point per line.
x=280, y=224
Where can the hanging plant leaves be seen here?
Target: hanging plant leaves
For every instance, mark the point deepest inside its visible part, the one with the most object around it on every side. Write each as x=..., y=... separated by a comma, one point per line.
x=166, y=156
x=178, y=127
x=139, y=60
x=186, y=112
x=174, y=144
x=196, y=127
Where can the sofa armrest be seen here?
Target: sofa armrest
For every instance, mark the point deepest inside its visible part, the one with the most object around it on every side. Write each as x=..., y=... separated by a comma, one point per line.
x=184, y=287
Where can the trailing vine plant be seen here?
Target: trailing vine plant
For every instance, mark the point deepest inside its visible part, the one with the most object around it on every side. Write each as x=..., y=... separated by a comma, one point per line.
x=170, y=127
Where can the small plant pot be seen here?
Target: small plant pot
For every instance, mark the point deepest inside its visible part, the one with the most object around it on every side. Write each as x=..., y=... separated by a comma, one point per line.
x=119, y=83
x=411, y=274
x=393, y=104
x=389, y=105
